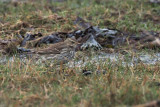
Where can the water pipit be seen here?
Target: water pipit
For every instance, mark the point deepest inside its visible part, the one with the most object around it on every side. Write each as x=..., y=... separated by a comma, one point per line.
x=57, y=48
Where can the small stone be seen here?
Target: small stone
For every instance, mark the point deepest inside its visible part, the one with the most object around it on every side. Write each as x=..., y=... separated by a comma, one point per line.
x=86, y=72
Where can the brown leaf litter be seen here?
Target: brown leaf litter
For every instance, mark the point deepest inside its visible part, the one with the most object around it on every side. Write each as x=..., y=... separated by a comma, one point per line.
x=89, y=37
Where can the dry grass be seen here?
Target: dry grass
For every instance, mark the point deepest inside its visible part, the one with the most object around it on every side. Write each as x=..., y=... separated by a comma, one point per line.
x=40, y=85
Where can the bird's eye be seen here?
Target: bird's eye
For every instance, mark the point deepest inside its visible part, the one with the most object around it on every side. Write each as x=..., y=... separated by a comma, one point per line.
x=73, y=41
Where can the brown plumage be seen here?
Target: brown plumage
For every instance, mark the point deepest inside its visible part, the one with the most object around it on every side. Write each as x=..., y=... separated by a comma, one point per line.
x=57, y=48
x=9, y=46
x=149, y=41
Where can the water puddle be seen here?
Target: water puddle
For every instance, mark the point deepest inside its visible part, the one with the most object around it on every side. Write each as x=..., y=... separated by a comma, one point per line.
x=100, y=58
x=118, y=58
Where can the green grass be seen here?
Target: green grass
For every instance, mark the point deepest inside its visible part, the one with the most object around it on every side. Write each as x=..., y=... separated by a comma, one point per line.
x=127, y=15
x=30, y=84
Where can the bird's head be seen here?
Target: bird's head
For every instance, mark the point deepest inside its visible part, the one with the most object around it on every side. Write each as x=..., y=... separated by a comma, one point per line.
x=71, y=42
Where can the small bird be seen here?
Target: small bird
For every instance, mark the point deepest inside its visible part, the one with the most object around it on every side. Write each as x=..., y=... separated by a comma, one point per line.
x=57, y=48
x=9, y=46
x=150, y=40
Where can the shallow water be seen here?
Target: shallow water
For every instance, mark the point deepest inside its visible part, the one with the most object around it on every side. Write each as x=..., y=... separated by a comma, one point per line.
x=118, y=58
x=100, y=58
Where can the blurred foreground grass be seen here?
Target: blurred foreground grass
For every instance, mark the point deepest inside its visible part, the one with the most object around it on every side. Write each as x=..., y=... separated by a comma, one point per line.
x=29, y=84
